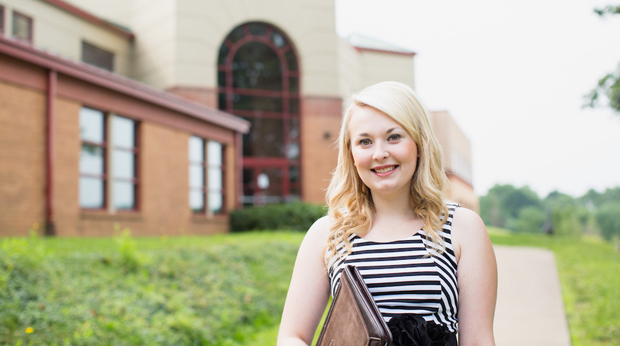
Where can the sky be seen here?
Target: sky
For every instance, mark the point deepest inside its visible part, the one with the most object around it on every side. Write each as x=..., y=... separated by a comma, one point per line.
x=513, y=75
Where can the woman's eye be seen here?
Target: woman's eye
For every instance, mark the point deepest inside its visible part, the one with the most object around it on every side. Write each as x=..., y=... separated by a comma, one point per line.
x=365, y=141
x=394, y=137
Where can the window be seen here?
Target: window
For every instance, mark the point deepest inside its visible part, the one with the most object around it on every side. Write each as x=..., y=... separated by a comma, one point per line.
x=92, y=159
x=197, y=174
x=124, y=153
x=258, y=79
x=105, y=163
x=98, y=57
x=22, y=27
x=206, y=176
x=215, y=174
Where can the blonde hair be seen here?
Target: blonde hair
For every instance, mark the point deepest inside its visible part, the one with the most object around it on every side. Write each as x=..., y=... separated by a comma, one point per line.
x=349, y=199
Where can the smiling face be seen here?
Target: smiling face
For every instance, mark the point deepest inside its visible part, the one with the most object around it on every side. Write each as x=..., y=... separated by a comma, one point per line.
x=384, y=153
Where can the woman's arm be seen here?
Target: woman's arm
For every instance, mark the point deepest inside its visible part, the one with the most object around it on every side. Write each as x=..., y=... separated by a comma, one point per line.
x=309, y=290
x=477, y=279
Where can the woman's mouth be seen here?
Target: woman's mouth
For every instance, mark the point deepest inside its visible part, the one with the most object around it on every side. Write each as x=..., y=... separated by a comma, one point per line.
x=384, y=169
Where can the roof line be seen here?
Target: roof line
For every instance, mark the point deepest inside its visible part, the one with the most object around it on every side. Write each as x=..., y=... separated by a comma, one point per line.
x=112, y=81
x=384, y=51
x=91, y=18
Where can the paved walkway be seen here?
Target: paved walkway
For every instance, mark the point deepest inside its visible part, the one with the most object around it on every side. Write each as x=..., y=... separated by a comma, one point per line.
x=530, y=310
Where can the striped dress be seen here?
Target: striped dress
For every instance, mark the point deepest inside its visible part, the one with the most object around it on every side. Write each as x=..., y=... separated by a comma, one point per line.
x=403, y=278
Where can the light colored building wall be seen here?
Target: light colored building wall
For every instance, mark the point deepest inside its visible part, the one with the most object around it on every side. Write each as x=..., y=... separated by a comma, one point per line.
x=456, y=146
x=462, y=193
x=379, y=66
x=456, y=149
x=177, y=42
x=309, y=24
x=349, y=69
x=154, y=23
x=60, y=32
x=115, y=11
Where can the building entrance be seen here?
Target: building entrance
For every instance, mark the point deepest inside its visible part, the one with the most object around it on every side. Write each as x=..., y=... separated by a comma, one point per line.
x=258, y=80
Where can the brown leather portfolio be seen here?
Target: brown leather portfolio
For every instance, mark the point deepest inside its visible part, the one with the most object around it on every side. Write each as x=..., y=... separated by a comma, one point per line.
x=353, y=318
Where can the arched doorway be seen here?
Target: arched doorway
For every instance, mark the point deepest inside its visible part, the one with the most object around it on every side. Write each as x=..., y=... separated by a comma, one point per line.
x=258, y=79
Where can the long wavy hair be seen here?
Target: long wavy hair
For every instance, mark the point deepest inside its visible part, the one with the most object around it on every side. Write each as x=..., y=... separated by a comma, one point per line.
x=350, y=200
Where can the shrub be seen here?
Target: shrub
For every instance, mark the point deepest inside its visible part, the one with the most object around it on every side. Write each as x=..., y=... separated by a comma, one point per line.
x=566, y=221
x=530, y=220
x=294, y=216
x=190, y=291
x=608, y=221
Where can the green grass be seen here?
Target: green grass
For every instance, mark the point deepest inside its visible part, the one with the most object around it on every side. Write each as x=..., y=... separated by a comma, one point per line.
x=216, y=290
x=589, y=270
x=223, y=290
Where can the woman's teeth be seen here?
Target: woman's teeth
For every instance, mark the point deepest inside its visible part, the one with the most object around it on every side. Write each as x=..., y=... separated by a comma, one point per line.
x=384, y=170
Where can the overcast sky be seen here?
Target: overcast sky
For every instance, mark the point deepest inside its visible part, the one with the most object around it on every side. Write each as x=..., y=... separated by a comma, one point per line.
x=512, y=74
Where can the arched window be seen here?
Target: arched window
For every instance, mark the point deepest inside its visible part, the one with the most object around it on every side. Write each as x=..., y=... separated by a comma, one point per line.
x=258, y=79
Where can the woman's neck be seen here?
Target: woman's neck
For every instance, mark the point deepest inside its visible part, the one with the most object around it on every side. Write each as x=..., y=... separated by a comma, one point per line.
x=391, y=206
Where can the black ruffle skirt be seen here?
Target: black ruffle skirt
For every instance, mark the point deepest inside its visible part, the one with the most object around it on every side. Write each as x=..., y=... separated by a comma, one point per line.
x=413, y=330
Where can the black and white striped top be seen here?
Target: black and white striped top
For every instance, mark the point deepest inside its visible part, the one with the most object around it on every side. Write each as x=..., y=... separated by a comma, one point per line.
x=403, y=278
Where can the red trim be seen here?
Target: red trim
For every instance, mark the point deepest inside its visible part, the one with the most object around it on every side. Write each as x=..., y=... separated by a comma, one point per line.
x=300, y=139
x=257, y=92
x=49, y=153
x=257, y=163
x=265, y=114
x=360, y=49
x=239, y=170
x=222, y=168
x=91, y=18
x=137, y=146
x=249, y=161
x=111, y=81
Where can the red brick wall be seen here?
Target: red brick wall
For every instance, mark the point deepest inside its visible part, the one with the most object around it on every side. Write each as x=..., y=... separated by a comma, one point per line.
x=163, y=160
x=22, y=159
x=321, y=117
x=163, y=189
x=66, y=168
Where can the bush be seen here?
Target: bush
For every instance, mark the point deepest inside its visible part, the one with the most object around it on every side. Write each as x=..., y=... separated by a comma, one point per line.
x=608, y=220
x=294, y=216
x=190, y=291
x=566, y=221
x=530, y=220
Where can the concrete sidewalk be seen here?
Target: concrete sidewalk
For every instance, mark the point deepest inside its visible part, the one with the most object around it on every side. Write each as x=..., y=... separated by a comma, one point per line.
x=530, y=310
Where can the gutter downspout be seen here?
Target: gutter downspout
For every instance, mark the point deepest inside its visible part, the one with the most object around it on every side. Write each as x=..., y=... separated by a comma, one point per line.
x=50, y=227
x=239, y=170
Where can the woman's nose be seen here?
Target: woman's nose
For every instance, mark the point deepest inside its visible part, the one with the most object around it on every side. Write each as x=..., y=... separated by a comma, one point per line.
x=380, y=152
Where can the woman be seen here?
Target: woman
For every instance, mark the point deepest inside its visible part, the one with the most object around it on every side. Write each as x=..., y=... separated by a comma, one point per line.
x=388, y=217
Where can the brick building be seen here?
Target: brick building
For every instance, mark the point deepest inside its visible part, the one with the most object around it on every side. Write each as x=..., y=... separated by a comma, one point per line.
x=162, y=116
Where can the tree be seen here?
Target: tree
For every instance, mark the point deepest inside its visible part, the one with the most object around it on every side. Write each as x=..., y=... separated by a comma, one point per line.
x=504, y=202
x=531, y=220
x=608, y=221
x=609, y=85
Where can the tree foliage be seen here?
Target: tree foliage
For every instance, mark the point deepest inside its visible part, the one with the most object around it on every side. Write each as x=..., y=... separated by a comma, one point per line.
x=609, y=85
x=608, y=219
x=503, y=203
x=521, y=210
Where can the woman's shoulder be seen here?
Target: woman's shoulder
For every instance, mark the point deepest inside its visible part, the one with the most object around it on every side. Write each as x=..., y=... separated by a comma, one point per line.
x=467, y=219
x=321, y=226
x=318, y=233
x=467, y=229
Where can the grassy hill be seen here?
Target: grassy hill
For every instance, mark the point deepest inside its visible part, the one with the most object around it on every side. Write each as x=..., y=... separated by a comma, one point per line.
x=222, y=290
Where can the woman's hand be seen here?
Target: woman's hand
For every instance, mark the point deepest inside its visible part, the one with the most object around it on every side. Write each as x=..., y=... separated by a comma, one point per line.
x=309, y=290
